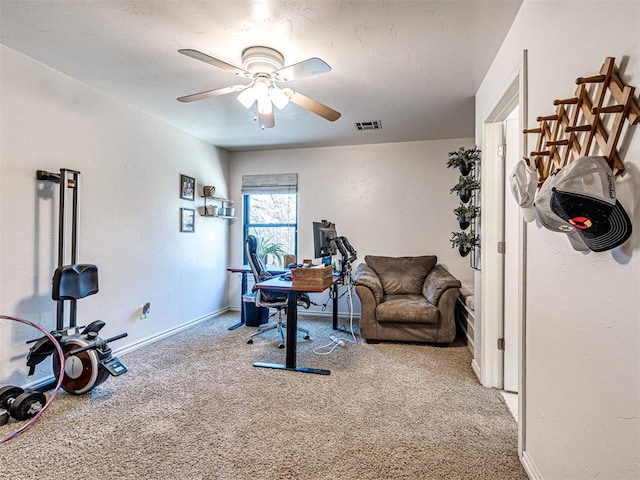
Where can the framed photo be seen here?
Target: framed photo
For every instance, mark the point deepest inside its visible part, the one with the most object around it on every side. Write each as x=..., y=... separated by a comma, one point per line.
x=187, y=188
x=187, y=219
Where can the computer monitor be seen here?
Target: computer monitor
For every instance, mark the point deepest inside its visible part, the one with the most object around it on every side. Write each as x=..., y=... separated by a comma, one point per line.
x=324, y=233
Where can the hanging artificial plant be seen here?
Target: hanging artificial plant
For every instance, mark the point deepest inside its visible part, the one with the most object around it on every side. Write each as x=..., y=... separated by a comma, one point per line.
x=464, y=241
x=466, y=214
x=464, y=159
x=465, y=187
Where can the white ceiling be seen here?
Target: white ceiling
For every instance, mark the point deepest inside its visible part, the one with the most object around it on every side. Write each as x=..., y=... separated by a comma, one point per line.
x=414, y=65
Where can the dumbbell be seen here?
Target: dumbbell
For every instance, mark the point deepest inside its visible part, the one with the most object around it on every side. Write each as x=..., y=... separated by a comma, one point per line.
x=21, y=404
x=4, y=416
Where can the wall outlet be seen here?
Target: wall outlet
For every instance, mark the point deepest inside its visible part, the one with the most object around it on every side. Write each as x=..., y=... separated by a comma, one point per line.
x=146, y=310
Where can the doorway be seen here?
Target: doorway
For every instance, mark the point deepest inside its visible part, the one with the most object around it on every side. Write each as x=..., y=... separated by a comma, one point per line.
x=503, y=260
x=502, y=247
x=511, y=271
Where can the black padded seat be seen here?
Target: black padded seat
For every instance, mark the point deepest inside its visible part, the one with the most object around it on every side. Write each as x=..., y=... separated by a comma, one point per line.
x=72, y=282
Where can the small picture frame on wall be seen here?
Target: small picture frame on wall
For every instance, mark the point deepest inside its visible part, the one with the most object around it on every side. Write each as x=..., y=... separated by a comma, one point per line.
x=187, y=220
x=187, y=187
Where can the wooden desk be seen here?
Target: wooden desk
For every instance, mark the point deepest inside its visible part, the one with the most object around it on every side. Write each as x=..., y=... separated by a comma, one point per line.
x=244, y=270
x=276, y=284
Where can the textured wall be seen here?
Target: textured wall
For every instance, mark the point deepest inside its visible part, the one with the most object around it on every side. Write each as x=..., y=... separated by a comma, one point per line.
x=129, y=211
x=583, y=328
x=388, y=199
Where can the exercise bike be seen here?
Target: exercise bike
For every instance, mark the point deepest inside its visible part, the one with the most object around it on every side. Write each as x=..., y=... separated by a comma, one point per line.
x=88, y=359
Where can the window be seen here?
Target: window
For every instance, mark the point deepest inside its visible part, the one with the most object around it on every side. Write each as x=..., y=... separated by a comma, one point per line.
x=273, y=219
x=271, y=214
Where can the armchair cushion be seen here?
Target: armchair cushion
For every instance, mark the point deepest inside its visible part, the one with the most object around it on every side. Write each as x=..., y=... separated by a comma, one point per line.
x=401, y=275
x=409, y=308
x=437, y=282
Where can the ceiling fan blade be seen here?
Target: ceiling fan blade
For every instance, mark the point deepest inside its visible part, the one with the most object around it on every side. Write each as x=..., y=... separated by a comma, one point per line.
x=212, y=93
x=266, y=120
x=215, y=62
x=312, y=105
x=306, y=68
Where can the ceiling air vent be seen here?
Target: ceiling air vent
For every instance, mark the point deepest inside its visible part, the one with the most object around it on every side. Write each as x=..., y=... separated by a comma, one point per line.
x=373, y=125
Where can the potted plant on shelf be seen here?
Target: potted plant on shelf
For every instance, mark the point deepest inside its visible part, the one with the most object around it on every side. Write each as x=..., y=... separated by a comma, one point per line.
x=466, y=214
x=465, y=187
x=464, y=241
x=464, y=159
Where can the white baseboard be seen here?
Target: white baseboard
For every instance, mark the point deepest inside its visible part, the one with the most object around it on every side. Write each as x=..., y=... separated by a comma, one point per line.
x=529, y=467
x=476, y=368
x=169, y=332
x=41, y=382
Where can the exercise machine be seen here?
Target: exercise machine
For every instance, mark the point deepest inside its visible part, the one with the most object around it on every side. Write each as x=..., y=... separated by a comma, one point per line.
x=88, y=360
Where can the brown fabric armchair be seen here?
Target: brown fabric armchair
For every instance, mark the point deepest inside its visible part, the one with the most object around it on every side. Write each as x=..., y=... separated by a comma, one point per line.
x=406, y=299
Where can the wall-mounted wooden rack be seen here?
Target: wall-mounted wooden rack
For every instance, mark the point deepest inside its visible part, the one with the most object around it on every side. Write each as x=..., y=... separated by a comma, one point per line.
x=598, y=110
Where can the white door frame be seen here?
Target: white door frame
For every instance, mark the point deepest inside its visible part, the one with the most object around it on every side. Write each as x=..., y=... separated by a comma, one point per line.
x=491, y=274
x=491, y=262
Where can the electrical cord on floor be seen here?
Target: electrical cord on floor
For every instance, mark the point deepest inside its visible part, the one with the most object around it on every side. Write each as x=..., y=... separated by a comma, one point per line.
x=333, y=345
x=55, y=391
x=335, y=340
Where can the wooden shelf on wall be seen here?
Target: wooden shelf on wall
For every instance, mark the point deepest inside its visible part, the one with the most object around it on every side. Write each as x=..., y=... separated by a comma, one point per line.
x=213, y=209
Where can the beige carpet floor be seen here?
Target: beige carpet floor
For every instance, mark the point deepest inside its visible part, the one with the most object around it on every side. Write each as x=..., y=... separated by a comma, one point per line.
x=193, y=407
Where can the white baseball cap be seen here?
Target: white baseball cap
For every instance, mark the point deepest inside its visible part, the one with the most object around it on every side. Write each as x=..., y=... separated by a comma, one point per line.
x=524, y=183
x=580, y=200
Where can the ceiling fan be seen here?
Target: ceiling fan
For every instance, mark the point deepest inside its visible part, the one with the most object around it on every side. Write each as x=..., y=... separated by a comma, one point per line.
x=264, y=66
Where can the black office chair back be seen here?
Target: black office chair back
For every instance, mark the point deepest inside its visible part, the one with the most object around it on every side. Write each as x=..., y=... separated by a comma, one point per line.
x=258, y=268
x=260, y=272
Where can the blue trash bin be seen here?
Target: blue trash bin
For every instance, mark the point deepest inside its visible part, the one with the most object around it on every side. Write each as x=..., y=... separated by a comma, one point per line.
x=253, y=316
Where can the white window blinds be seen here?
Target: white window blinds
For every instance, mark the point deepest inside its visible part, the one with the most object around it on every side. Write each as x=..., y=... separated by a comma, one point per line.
x=270, y=183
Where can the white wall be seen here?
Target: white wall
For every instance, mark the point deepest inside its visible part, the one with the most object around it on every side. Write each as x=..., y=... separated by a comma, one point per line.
x=387, y=199
x=129, y=212
x=583, y=320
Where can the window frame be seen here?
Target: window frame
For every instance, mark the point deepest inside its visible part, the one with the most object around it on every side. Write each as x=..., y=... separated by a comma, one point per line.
x=246, y=225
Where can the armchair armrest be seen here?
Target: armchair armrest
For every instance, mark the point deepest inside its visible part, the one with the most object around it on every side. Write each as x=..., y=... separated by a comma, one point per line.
x=437, y=282
x=365, y=276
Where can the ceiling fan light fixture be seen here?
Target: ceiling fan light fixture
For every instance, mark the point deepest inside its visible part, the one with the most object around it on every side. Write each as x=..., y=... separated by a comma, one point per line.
x=247, y=97
x=265, y=107
x=278, y=97
x=261, y=88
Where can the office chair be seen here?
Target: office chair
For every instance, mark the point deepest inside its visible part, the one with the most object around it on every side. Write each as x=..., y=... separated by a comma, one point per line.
x=267, y=298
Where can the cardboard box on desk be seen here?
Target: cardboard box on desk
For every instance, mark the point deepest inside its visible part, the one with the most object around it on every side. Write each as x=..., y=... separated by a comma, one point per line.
x=312, y=277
